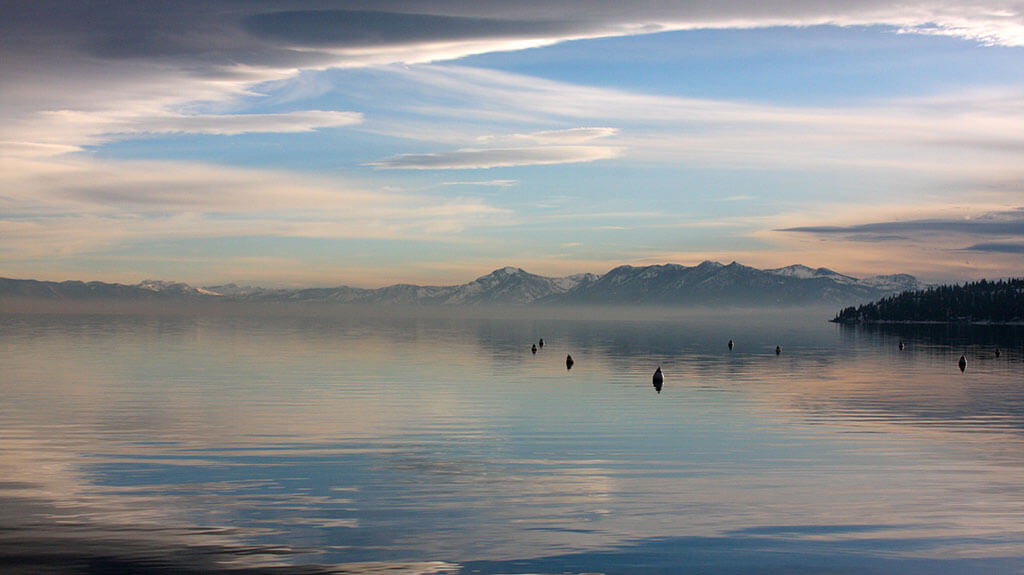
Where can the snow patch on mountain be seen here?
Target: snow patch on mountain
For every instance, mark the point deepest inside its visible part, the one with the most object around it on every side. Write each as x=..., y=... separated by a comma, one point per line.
x=894, y=283
x=803, y=272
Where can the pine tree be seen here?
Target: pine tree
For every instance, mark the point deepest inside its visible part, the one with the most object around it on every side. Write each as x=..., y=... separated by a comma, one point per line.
x=980, y=301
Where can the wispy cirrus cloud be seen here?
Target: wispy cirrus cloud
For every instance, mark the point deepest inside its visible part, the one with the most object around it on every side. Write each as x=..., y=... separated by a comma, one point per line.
x=477, y=159
x=550, y=147
x=484, y=183
x=571, y=136
x=973, y=134
x=98, y=127
x=51, y=207
x=158, y=57
x=117, y=71
x=216, y=124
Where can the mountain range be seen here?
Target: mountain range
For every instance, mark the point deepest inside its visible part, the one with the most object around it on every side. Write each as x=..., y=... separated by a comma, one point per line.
x=709, y=283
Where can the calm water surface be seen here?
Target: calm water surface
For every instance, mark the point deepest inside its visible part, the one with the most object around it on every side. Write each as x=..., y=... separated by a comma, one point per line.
x=426, y=445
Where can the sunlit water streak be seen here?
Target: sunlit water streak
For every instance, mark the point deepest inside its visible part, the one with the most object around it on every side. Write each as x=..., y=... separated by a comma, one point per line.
x=427, y=445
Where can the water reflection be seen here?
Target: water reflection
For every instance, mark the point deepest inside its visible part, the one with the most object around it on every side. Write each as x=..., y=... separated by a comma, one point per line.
x=209, y=442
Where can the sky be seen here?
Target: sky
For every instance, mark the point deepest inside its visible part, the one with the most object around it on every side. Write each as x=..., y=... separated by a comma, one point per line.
x=314, y=143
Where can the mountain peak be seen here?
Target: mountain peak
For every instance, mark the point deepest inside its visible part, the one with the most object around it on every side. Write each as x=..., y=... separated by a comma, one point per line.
x=502, y=273
x=164, y=286
x=804, y=272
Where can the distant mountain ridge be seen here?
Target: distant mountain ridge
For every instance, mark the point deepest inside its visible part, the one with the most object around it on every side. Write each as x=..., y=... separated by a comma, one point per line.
x=712, y=283
x=709, y=283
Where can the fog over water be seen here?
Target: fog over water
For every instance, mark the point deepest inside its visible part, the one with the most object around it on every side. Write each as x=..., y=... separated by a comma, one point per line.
x=313, y=438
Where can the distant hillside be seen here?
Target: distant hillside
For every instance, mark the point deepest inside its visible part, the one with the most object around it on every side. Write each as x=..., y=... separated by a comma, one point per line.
x=148, y=290
x=999, y=301
x=709, y=283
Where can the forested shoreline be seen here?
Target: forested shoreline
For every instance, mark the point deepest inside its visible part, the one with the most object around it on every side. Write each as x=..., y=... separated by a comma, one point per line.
x=999, y=301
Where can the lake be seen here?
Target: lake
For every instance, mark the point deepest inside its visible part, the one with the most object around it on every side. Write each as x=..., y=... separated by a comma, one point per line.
x=334, y=441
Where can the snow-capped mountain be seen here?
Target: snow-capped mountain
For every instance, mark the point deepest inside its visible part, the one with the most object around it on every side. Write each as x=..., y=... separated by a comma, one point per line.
x=804, y=272
x=149, y=290
x=709, y=283
x=173, y=288
x=894, y=283
x=509, y=285
x=712, y=283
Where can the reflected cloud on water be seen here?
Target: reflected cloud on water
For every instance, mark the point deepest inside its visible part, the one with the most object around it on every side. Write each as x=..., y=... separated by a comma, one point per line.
x=351, y=445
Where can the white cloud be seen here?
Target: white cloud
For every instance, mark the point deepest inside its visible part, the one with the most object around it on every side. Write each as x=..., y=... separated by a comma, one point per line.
x=474, y=159
x=81, y=128
x=484, y=183
x=230, y=124
x=91, y=62
x=970, y=133
x=505, y=150
x=570, y=136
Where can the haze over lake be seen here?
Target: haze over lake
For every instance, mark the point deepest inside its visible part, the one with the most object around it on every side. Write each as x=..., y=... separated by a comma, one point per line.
x=329, y=440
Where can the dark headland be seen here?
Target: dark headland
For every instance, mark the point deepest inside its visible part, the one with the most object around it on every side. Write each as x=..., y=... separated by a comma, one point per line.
x=984, y=301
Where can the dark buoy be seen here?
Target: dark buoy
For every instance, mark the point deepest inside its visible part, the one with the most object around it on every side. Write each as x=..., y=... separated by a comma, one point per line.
x=730, y=344
x=658, y=379
x=997, y=352
x=568, y=362
x=541, y=342
x=901, y=346
x=962, y=363
x=533, y=348
x=778, y=350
